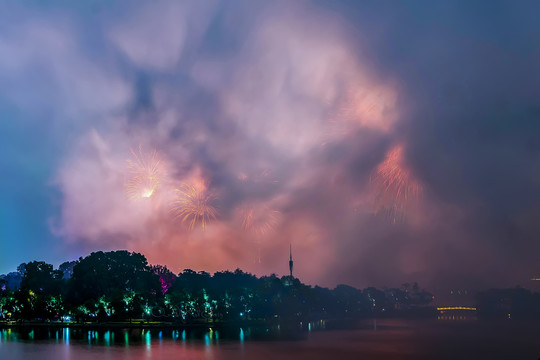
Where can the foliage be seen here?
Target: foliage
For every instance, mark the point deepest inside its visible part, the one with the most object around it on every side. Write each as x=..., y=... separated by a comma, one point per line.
x=513, y=303
x=120, y=285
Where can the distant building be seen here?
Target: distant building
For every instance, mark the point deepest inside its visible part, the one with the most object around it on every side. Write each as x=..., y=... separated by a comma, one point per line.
x=289, y=280
x=290, y=261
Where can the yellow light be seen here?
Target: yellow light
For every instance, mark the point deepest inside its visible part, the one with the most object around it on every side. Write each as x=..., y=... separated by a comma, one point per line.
x=456, y=308
x=145, y=172
x=147, y=193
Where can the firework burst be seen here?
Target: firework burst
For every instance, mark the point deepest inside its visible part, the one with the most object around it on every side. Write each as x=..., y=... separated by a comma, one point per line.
x=144, y=174
x=259, y=220
x=193, y=204
x=371, y=108
x=395, y=187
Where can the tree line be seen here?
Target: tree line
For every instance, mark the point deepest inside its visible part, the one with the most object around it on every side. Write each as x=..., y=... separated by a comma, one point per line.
x=121, y=286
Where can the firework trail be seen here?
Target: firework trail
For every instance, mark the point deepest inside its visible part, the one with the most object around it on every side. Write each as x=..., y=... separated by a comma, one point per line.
x=193, y=204
x=260, y=220
x=256, y=218
x=396, y=189
x=144, y=170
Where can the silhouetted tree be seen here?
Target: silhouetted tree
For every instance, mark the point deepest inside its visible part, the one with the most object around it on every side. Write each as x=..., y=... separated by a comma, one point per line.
x=166, y=277
x=41, y=278
x=117, y=271
x=120, y=284
x=67, y=269
x=509, y=303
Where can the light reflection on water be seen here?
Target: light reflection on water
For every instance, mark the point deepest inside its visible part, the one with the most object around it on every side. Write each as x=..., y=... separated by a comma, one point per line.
x=138, y=336
x=390, y=339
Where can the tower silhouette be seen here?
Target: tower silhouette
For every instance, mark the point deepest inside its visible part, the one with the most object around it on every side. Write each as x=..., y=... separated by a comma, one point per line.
x=290, y=260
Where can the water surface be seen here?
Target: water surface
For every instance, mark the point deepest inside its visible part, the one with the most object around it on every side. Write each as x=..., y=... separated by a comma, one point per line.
x=388, y=339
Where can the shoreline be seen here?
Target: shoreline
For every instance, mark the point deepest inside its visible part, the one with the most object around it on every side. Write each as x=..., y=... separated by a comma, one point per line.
x=329, y=324
x=334, y=323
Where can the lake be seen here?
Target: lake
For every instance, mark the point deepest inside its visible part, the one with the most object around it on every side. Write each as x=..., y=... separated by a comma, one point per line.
x=380, y=339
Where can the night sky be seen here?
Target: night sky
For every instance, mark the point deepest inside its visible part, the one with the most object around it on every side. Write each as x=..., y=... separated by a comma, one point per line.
x=387, y=141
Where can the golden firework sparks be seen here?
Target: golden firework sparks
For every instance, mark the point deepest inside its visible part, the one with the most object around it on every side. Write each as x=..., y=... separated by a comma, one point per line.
x=259, y=220
x=144, y=174
x=193, y=204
